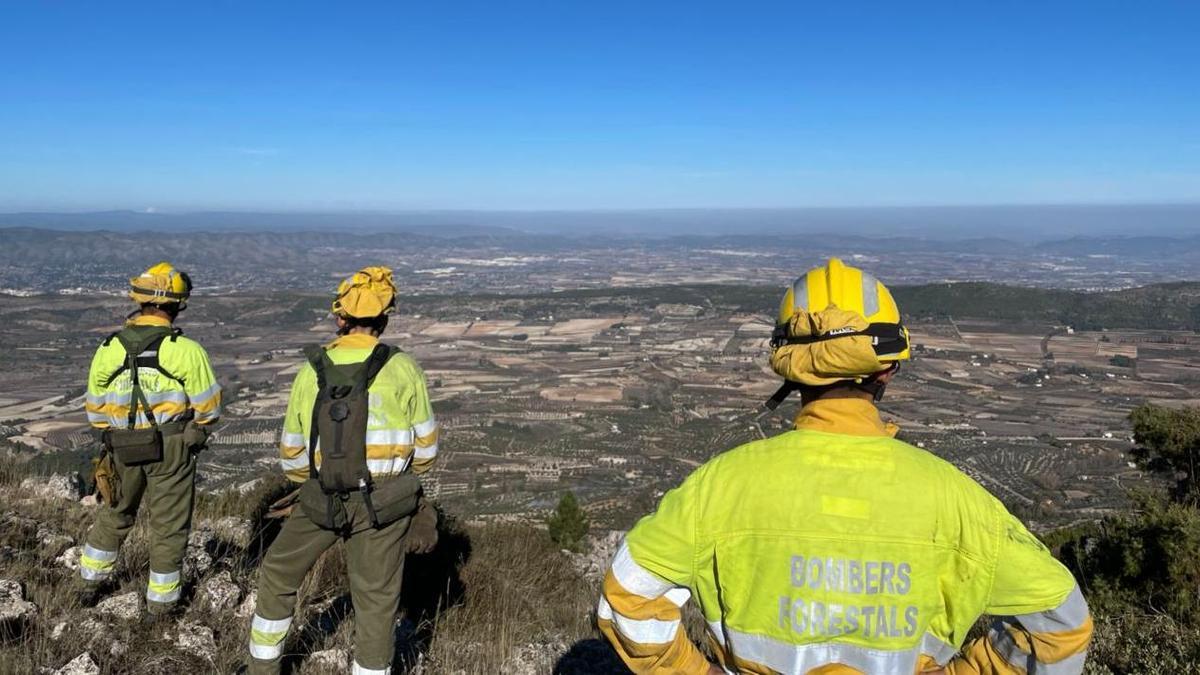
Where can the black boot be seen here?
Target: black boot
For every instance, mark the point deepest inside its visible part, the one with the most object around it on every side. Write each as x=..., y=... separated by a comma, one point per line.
x=89, y=595
x=161, y=617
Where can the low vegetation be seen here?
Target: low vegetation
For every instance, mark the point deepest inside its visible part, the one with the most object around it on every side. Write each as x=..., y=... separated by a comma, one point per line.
x=568, y=525
x=496, y=599
x=508, y=599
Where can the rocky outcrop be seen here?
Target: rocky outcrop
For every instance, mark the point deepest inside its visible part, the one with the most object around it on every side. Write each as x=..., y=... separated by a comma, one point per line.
x=53, y=542
x=195, y=639
x=599, y=550
x=330, y=660
x=16, y=613
x=69, y=558
x=124, y=607
x=83, y=664
x=220, y=593
x=198, y=558
x=234, y=530
x=54, y=487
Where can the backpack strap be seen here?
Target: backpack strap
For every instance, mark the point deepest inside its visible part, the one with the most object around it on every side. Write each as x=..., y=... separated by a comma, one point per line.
x=375, y=363
x=315, y=354
x=146, y=353
x=135, y=350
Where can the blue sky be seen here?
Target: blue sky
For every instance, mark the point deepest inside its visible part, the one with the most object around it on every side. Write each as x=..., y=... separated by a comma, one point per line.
x=511, y=105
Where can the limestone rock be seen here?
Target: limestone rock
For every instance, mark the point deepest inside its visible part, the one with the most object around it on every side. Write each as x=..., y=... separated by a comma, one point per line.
x=15, y=611
x=246, y=609
x=233, y=529
x=534, y=658
x=220, y=593
x=599, y=552
x=57, y=486
x=70, y=558
x=195, y=639
x=330, y=660
x=124, y=607
x=53, y=542
x=198, y=560
x=83, y=664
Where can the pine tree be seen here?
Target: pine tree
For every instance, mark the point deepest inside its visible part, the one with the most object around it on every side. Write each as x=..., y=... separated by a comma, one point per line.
x=568, y=524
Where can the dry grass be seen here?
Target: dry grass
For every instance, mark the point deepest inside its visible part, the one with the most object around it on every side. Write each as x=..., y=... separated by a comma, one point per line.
x=496, y=599
x=489, y=600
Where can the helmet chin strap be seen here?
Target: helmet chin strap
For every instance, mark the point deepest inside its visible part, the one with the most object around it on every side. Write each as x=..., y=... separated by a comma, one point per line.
x=872, y=385
x=876, y=386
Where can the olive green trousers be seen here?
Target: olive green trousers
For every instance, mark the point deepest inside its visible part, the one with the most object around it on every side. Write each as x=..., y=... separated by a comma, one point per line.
x=168, y=489
x=375, y=565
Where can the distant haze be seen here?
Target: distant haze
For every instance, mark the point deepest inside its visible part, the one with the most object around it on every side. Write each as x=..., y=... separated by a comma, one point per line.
x=1030, y=223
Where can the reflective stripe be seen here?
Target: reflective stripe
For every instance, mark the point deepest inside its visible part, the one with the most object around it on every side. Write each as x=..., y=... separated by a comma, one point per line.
x=387, y=466
x=156, y=397
x=292, y=440
x=96, y=564
x=95, y=399
x=270, y=626
x=642, y=631
x=96, y=417
x=425, y=428
x=679, y=596
x=800, y=293
x=163, y=587
x=362, y=670
x=870, y=294
x=164, y=577
x=203, y=397
x=207, y=416
x=1004, y=644
x=1070, y=614
x=265, y=652
x=390, y=437
x=266, y=637
x=162, y=597
x=89, y=574
x=790, y=658
x=99, y=555
x=634, y=578
x=426, y=453
x=295, y=463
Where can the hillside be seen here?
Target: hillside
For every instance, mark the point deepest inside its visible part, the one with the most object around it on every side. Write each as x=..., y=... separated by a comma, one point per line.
x=476, y=606
x=1172, y=306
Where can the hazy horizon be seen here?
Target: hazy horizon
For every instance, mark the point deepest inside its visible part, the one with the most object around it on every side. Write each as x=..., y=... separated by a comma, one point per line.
x=1022, y=223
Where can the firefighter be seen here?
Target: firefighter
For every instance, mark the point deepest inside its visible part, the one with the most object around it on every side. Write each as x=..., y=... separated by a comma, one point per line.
x=833, y=547
x=153, y=396
x=358, y=428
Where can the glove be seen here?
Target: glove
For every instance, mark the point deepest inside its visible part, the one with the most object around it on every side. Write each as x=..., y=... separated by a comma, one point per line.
x=195, y=437
x=105, y=477
x=422, y=534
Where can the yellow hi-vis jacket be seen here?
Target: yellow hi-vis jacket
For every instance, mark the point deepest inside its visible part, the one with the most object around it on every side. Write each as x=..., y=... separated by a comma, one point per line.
x=834, y=548
x=401, y=429
x=196, y=388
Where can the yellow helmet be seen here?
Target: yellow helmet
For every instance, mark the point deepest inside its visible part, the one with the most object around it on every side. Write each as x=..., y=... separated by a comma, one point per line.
x=837, y=323
x=368, y=293
x=162, y=284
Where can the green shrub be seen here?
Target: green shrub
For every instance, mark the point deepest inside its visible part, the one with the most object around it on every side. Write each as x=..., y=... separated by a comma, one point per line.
x=568, y=524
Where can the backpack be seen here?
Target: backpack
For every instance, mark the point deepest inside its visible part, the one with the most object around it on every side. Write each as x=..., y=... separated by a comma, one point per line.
x=133, y=446
x=339, y=422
